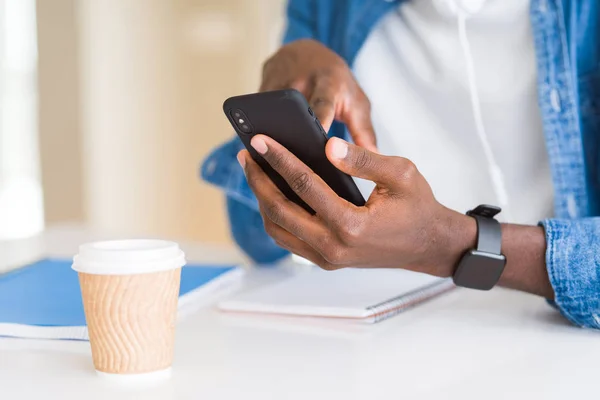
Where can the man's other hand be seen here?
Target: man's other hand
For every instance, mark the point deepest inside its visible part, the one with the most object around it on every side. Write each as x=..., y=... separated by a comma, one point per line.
x=326, y=81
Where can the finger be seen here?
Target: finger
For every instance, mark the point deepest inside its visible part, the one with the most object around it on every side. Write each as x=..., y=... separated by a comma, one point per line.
x=390, y=172
x=278, y=83
x=307, y=185
x=276, y=206
x=276, y=76
x=290, y=242
x=360, y=126
x=322, y=101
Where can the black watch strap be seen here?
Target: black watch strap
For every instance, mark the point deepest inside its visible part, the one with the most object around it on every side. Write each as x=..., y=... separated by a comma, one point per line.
x=489, y=233
x=482, y=267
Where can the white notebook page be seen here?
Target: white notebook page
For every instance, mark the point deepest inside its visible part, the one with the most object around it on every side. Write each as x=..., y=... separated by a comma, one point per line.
x=344, y=293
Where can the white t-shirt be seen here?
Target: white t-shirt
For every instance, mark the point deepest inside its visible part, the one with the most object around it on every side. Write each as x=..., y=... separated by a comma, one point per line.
x=415, y=72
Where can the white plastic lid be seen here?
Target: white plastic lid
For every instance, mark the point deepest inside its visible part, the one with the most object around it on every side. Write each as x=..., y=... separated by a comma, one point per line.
x=125, y=257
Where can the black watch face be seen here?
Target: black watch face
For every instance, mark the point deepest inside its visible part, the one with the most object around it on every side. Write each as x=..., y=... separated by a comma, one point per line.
x=479, y=270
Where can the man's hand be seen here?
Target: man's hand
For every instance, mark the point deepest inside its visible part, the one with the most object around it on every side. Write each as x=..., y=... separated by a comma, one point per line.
x=326, y=81
x=401, y=225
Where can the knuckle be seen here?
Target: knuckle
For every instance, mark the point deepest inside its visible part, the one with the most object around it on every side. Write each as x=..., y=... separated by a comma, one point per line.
x=407, y=170
x=321, y=244
x=280, y=65
x=274, y=211
x=327, y=73
x=250, y=177
x=340, y=220
x=269, y=64
x=276, y=160
x=283, y=245
x=301, y=183
x=322, y=102
x=269, y=227
x=266, y=65
x=327, y=266
x=362, y=98
x=297, y=83
x=339, y=68
x=363, y=160
x=367, y=103
x=335, y=255
x=351, y=232
x=329, y=78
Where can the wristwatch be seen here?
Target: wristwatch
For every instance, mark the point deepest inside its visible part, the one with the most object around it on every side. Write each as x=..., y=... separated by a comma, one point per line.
x=481, y=268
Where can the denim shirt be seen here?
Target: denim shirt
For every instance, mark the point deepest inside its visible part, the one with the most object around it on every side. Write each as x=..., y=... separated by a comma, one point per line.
x=567, y=44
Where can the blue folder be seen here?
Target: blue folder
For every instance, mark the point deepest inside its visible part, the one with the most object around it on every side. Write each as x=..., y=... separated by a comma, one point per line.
x=43, y=299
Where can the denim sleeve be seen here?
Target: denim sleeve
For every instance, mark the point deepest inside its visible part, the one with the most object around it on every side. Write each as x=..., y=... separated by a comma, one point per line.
x=249, y=233
x=222, y=169
x=573, y=263
x=301, y=16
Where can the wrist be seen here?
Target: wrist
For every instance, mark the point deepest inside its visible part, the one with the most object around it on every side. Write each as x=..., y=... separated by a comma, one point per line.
x=459, y=233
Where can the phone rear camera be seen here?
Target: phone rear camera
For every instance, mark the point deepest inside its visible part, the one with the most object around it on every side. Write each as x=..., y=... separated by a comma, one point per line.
x=241, y=121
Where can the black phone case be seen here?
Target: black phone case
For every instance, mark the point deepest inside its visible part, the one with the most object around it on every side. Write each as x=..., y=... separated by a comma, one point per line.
x=285, y=116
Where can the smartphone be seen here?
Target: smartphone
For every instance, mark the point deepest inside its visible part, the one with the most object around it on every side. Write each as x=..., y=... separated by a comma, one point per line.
x=285, y=116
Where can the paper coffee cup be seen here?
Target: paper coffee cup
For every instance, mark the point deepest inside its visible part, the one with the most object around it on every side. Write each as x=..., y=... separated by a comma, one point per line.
x=130, y=290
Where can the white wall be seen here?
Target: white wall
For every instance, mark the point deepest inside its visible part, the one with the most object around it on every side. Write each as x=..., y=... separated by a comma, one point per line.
x=21, y=208
x=154, y=74
x=60, y=111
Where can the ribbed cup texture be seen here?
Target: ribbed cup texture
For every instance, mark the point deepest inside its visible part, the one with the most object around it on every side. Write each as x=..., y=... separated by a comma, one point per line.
x=131, y=320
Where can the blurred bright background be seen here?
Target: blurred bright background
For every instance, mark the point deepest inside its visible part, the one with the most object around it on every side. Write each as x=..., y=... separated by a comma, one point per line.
x=108, y=107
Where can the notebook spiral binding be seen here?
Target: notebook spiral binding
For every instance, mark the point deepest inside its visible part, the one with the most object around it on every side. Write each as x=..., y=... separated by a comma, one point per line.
x=396, y=305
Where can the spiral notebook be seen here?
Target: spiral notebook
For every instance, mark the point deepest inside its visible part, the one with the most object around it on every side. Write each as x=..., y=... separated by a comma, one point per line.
x=43, y=301
x=366, y=295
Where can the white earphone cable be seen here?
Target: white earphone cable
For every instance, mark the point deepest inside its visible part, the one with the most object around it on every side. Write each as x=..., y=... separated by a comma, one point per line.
x=494, y=170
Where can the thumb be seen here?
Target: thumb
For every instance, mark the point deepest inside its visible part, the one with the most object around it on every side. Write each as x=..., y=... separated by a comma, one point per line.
x=390, y=172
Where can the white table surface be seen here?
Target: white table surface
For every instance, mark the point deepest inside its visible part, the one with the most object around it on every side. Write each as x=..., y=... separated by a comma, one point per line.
x=464, y=345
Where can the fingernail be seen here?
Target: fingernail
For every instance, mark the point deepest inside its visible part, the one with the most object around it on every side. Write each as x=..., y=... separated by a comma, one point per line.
x=339, y=148
x=259, y=145
x=242, y=160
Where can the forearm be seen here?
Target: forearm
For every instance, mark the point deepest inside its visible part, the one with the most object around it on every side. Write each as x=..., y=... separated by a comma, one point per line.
x=525, y=249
